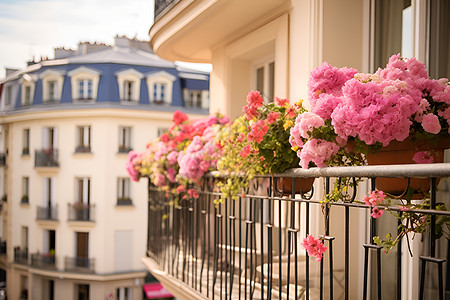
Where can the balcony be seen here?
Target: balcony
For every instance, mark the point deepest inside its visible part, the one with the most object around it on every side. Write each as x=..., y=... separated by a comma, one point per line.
x=79, y=264
x=81, y=212
x=46, y=158
x=21, y=256
x=47, y=213
x=252, y=247
x=45, y=261
x=197, y=27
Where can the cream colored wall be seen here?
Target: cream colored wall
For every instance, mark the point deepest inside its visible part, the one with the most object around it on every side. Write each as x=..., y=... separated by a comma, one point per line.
x=104, y=165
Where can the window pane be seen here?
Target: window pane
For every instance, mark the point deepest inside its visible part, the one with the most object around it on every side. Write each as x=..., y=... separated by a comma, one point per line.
x=439, y=39
x=393, y=30
x=260, y=80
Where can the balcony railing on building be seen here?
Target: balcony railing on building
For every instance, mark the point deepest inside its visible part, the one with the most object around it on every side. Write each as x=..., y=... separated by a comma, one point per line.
x=79, y=264
x=43, y=260
x=21, y=256
x=251, y=247
x=46, y=158
x=81, y=212
x=47, y=213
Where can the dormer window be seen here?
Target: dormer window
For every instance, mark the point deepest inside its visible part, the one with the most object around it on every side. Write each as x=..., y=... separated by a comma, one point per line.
x=84, y=83
x=129, y=81
x=52, y=82
x=160, y=87
x=8, y=95
x=28, y=85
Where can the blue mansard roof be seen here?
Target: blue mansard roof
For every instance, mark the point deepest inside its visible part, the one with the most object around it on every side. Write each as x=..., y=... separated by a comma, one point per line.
x=111, y=69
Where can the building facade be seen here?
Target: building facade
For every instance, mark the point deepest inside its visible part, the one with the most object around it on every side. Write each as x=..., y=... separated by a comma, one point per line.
x=273, y=45
x=71, y=220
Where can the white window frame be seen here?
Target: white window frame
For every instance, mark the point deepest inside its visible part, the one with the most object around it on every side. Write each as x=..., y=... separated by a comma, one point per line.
x=48, y=197
x=83, y=138
x=264, y=64
x=47, y=77
x=28, y=82
x=123, y=189
x=26, y=141
x=158, y=79
x=125, y=133
x=83, y=194
x=25, y=189
x=85, y=75
x=121, y=292
x=133, y=76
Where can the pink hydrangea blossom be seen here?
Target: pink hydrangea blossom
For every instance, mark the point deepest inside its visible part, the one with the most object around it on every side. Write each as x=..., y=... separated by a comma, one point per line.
x=314, y=247
x=272, y=117
x=159, y=179
x=172, y=157
x=423, y=157
x=317, y=151
x=430, y=123
x=305, y=123
x=171, y=173
x=257, y=131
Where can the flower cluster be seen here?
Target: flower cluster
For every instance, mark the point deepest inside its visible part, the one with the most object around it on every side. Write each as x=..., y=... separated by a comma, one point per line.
x=354, y=112
x=314, y=247
x=257, y=142
x=180, y=156
x=374, y=199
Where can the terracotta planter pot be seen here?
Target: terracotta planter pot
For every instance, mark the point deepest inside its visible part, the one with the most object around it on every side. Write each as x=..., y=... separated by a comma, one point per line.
x=302, y=185
x=397, y=153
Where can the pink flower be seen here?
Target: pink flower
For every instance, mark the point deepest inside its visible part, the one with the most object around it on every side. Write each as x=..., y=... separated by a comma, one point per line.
x=193, y=193
x=257, y=131
x=430, y=123
x=272, y=117
x=180, y=189
x=165, y=137
x=376, y=212
x=254, y=101
x=179, y=117
x=171, y=173
x=245, y=151
x=172, y=157
x=317, y=151
x=375, y=198
x=314, y=247
x=423, y=157
x=281, y=102
x=306, y=122
x=159, y=179
x=133, y=159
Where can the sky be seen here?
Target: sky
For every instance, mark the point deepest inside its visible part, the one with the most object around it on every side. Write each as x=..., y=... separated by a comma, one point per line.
x=33, y=28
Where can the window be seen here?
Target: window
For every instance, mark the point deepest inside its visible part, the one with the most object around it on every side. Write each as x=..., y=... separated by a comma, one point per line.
x=123, y=191
x=439, y=56
x=85, y=89
x=84, y=83
x=83, y=139
x=52, y=82
x=129, y=81
x=193, y=98
x=23, y=287
x=265, y=80
x=124, y=139
x=160, y=86
x=8, y=95
x=26, y=142
x=83, y=292
x=159, y=92
x=28, y=85
x=128, y=90
x=123, y=293
x=25, y=190
x=27, y=95
x=162, y=130
x=49, y=192
x=83, y=190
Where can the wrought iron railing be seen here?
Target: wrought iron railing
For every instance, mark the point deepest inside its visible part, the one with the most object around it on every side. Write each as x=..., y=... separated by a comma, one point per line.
x=21, y=256
x=47, y=213
x=251, y=247
x=81, y=212
x=79, y=264
x=46, y=158
x=43, y=260
x=161, y=6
